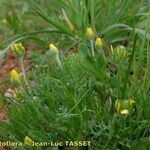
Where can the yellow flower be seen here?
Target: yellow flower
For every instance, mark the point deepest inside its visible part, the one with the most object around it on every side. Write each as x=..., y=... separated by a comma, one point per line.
x=53, y=50
x=14, y=75
x=89, y=33
x=117, y=105
x=131, y=101
x=124, y=112
x=124, y=106
x=52, y=46
x=99, y=42
x=18, y=49
x=28, y=141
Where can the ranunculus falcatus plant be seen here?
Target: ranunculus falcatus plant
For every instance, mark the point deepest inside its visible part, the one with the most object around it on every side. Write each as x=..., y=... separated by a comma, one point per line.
x=81, y=100
x=100, y=93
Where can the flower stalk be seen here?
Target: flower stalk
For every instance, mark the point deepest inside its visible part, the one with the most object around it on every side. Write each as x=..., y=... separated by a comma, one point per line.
x=90, y=35
x=23, y=69
x=92, y=47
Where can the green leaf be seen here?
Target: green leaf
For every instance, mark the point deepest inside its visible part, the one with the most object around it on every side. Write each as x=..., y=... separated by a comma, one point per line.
x=84, y=50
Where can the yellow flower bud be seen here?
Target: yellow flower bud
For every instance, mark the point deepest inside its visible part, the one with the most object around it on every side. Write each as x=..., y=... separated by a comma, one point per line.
x=52, y=46
x=28, y=141
x=53, y=50
x=14, y=75
x=90, y=33
x=131, y=101
x=124, y=112
x=18, y=49
x=99, y=42
x=121, y=51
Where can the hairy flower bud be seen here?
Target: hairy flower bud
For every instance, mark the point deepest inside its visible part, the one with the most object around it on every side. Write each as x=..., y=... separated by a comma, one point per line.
x=53, y=50
x=14, y=75
x=99, y=42
x=28, y=141
x=18, y=49
x=89, y=33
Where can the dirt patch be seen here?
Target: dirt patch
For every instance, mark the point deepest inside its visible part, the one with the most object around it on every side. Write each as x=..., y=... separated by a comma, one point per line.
x=2, y=148
x=2, y=114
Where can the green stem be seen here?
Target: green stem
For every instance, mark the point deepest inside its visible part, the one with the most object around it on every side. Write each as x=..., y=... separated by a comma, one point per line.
x=92, y=47
x=23, y=70
x=129, y=67
x=58, y=61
